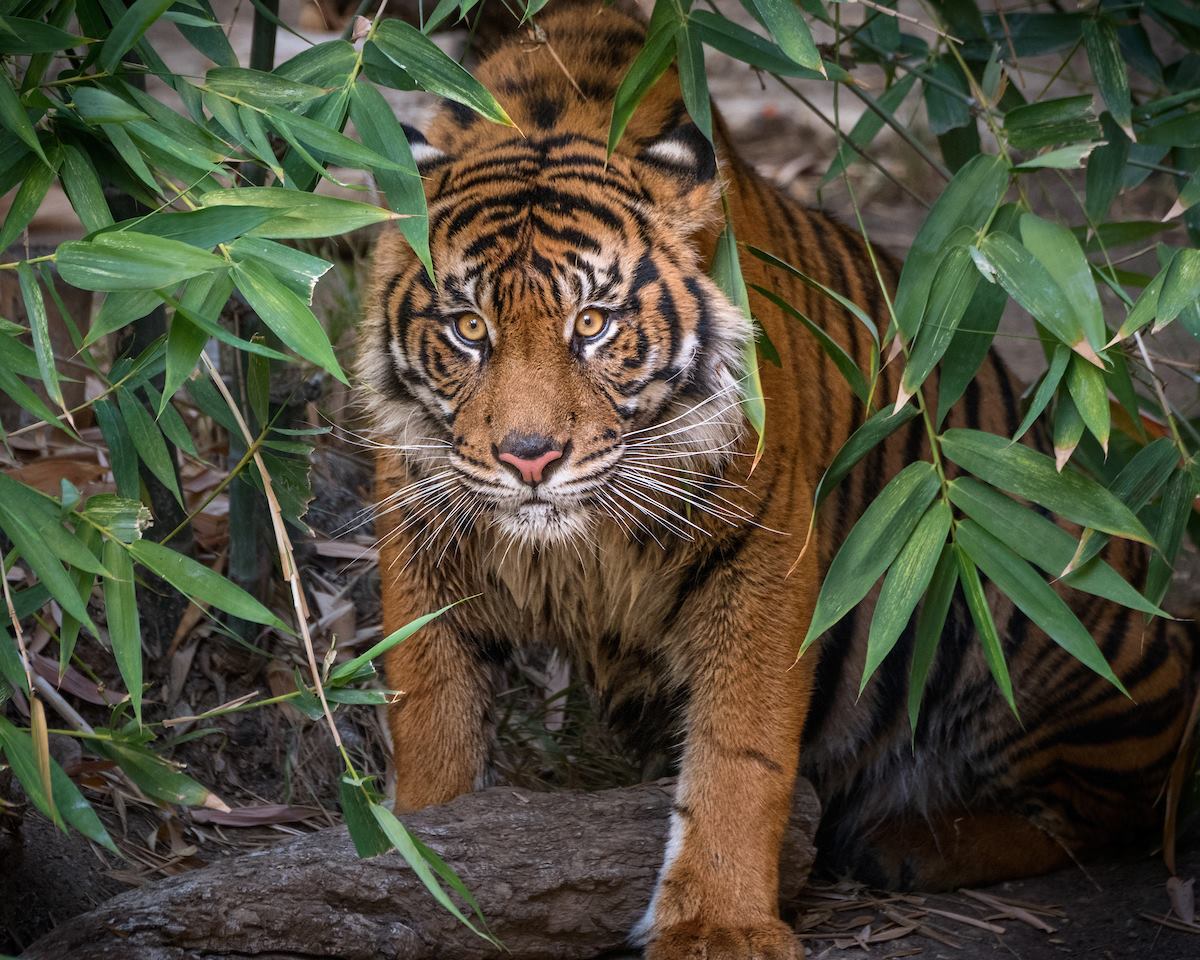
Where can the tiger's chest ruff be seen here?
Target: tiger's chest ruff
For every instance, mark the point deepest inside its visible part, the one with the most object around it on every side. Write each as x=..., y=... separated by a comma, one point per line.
x=611, y=594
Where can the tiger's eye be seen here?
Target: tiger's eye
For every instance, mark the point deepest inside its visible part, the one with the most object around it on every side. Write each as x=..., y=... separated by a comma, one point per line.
x=470, y=327
x=590, y=323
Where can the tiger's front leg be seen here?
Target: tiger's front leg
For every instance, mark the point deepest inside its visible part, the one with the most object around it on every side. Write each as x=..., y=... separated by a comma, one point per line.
x=717, y=897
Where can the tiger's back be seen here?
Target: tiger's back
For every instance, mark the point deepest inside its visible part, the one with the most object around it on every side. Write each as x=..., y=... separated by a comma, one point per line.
x=676, y=603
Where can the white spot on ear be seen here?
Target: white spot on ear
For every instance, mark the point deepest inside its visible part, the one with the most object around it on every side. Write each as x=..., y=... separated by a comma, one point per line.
x=425, y=153
x=672, y=151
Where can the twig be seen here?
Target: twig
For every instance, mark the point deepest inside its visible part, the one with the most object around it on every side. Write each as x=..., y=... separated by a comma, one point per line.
x=287, y=559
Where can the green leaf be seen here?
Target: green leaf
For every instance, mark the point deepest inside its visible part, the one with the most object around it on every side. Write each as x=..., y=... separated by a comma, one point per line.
x=381, y=131
x=424, y=61
x=969, y=349
x=861, y=315
x=1137, y=483
x=327, y=143
x=904, y=585
x=1068, y=431
x=159, y=779
x=693, y=81
x=18, y=750
x=1042, y=542
x=881, y=425
x=148, y=441
x=131, y=261
x=24, y=36
x=30, y=194
x=120, y=448
x=100, y=106
x=400, y=838
x=1032, y=475
x=128, y=30
x=35, y=309
x=83, y=189
x=951, y=292
x=930, y=623
x=841, y=359
x=967, y=201
x=1177, y=504
x=206, y=227
x=286, y=314
x=727, y=274
x=124, y=628
x=76, y=810
x=1000, y=258
x=1105, y=170
x=1180, y=288
x=296, y=215
x=29, y=542
x=985, y=626
x=1059, y=252
x=1108, y=68
x=1034, y=597
x=736, y=41
x=296, y=270
x=12, y=671
x=42, y=515
x=1050, y=122
x=262, y=89
x=785, y=24
x=197, y=582
x=650, y=64
x=1046, y=389
x=872, y=545
x=14, y=118
x=348, y=669
x=1064, y=158
x=369, y=840
x=1090, y=394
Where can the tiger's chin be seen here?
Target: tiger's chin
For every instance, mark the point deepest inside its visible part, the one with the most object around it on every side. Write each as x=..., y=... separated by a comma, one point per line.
x=542, y=524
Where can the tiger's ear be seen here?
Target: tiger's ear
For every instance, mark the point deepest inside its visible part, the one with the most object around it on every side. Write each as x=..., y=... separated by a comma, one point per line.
x=681, y=176
x=426, y=156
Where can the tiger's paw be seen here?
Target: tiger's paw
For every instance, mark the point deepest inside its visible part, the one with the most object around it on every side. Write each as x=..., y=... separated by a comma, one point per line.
x=697, y=940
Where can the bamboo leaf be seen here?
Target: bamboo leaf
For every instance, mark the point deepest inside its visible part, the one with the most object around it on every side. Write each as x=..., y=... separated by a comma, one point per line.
x=931, y=621
x=1108, y=69
x=1033, y=597
x=1177, y=503
x=785, y=24
x=295, y=215
x=424, y=61
x=949, y=295
x=693, y=81
x=286, y=314
x=1056, y=248
x=1043, y=543
x=148, y=441
x=1046, y=389
x=1090, y=394
x=727, y=274
x=881, y=425
x=905, y=583
x=650, y=64
x=197, y=582
x=1032, y=475
x=14, y=118
x=39, y=323
x=128, y=30
x=127, y=260
x=985, y=626
x=834, y=350
x=124, y=628
x=872, y=545
x=156, y=777
x=967, y=201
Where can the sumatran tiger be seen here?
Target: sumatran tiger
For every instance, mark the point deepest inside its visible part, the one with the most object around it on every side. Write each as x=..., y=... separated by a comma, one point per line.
x=562, y=439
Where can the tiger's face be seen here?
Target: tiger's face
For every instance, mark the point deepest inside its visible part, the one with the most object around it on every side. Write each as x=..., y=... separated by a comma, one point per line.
x=573, y=361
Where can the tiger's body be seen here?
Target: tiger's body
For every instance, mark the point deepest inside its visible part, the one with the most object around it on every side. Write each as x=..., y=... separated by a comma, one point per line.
x=590, y=491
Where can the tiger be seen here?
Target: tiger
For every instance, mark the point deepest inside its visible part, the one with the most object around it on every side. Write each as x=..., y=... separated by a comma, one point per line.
x=563, y=440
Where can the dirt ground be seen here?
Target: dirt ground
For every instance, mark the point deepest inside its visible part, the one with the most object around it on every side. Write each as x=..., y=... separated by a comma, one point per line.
x=274, y=757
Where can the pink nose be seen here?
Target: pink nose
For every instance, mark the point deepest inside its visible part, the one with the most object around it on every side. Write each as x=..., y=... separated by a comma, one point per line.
x=531, y=470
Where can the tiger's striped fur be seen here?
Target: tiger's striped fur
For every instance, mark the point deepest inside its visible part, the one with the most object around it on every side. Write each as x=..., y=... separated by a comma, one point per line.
x=655, y=560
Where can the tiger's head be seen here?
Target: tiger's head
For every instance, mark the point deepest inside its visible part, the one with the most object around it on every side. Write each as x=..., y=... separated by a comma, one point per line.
x=573, y=360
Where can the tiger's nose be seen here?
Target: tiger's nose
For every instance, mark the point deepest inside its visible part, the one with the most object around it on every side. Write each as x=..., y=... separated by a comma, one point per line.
x=530, y=455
